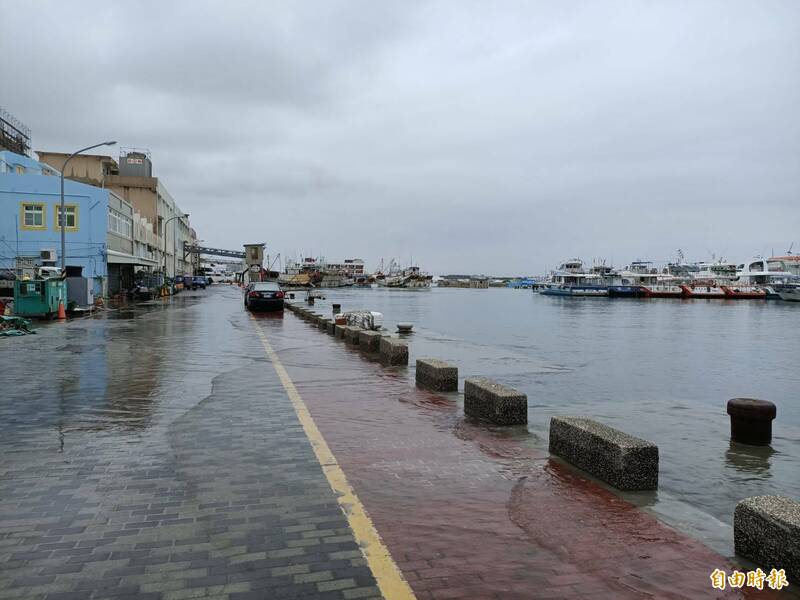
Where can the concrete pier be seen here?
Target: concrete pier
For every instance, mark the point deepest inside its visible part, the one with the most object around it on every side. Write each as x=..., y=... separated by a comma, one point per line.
x=393, y=351
x=369, y=341
x=490, y=401
x=766, y=530
x=351, y=335
x=437, y=375
x=262, y=482
x=751, y=421
x=624, y=461
x=330, y=327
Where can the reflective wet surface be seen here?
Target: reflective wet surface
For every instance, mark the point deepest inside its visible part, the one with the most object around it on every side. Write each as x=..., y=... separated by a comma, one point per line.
x=659, y=369
x=152, y=449
x=151, y=453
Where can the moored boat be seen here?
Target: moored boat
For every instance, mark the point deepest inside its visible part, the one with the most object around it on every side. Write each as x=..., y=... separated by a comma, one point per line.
x=663, y=290
x=627, y=291
x=589, y=291
x=789, y=293
x=703, y=290
x=744, y=292
x=570, y=279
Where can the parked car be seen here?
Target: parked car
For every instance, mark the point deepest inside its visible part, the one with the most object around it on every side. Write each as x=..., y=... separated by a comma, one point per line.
x=198, y=282
x=263, y=295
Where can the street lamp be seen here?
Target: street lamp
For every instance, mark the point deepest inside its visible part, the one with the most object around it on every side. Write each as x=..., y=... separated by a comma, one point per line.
x=183, y=216
x=63, y=212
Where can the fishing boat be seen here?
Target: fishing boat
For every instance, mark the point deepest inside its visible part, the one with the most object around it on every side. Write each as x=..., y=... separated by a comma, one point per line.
x=410, y=277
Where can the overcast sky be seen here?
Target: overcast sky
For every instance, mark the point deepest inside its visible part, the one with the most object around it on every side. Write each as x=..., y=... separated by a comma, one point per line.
x=496, y=137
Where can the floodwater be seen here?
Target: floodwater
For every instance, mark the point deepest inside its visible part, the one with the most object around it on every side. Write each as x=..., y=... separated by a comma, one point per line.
x=659, y=369
x=118, y=384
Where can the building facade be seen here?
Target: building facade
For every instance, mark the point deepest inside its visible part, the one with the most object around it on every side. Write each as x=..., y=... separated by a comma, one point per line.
x=132, y=179
x=100, y=231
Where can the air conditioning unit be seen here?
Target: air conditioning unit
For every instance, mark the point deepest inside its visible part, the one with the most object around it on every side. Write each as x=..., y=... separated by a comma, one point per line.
x=48, y=255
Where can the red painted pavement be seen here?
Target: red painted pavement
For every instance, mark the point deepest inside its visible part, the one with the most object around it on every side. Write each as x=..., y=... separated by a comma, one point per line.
x=468, y=512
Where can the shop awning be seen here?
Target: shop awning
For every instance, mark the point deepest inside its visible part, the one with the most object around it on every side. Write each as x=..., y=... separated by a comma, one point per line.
x=120, y=258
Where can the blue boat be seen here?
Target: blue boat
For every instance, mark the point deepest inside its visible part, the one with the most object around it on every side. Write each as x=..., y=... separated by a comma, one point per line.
x=627, y=291
x=589, y=291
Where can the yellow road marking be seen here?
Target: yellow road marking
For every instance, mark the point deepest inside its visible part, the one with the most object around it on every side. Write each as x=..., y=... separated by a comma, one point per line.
x=390, y=580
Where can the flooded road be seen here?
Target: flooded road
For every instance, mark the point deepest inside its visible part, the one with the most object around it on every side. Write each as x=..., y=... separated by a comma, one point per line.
x=658, y=369
x=151, y=453
x=155, y=451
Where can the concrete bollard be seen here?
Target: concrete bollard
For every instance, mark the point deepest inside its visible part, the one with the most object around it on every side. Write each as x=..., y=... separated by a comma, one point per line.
x=751, y=421
x=489, y=401
x=339, y=331
x=405, y=327
x=351, y=335
x=766, y=530
x=323, y=323
x=437, y=375
x=624, y=461
x=330, y=327
x=369, y=341
x=393, y=351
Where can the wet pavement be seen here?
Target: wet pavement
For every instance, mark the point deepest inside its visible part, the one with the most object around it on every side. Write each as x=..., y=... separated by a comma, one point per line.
x=155, y=453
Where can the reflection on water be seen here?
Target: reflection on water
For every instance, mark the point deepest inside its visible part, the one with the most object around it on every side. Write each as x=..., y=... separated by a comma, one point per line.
x=749, y=460
x=658, y=369
x=106, y=374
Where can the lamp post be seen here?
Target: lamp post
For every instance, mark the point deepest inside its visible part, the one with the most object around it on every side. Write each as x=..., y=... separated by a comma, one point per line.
x=63, y=213
x=183, y=216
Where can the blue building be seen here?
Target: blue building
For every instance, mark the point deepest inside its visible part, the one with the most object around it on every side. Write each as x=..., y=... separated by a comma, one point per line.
x=30, y=228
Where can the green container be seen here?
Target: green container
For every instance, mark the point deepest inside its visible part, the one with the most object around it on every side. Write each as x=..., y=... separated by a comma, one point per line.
x=39, y=297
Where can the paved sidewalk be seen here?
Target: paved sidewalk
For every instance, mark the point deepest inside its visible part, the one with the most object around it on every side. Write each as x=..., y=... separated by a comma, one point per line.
x=469, y=512
x=183, y=496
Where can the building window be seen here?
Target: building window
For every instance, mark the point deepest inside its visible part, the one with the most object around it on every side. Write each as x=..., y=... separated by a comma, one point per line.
x=71, y=211
x=20, y=170
x=119, y=223
x=33, y=215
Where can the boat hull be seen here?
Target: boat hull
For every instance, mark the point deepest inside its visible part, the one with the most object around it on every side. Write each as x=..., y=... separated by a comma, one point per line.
x=672, y=291
x=627, y=291
x=575, y=291
x=744, y=293
x=704, y=292
x=790, y=295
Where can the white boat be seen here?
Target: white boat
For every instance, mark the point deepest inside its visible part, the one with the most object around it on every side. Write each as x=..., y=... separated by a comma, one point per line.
x=410, y=277
x=571, y=279
x=789, y=293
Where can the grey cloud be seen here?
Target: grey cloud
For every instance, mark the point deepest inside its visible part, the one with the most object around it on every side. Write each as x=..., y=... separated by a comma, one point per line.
x=494, y=137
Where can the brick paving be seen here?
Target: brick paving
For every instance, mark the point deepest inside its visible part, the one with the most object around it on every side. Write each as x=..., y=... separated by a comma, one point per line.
x=158, y=457
x=141, y=489
x=474, y=512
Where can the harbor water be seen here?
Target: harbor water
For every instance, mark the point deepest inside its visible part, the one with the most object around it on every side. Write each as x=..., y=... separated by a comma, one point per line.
x=659, y=369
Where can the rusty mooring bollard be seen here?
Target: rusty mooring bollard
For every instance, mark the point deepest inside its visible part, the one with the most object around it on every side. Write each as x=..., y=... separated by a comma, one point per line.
x=751, y=421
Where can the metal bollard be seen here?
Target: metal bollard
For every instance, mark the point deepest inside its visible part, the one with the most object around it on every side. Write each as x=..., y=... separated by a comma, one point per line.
x=751, y=421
